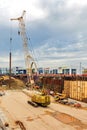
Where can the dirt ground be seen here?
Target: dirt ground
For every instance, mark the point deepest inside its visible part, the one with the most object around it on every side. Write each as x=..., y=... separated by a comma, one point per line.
x=22, y=116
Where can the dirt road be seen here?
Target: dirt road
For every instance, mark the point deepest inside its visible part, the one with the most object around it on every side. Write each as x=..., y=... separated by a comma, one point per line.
x=23, y=116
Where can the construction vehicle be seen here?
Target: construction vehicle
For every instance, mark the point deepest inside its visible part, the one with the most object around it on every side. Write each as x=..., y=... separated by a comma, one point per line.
x=42, y=99
x=59, y=96
x=29, y=60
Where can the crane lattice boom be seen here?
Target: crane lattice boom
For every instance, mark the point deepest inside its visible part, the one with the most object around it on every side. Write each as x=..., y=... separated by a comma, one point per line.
x=28, y=57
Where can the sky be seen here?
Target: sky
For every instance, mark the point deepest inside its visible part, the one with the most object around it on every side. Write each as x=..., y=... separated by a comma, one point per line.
x=56, y=32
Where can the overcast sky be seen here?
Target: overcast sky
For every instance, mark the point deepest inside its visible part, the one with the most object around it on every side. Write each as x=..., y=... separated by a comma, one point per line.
x=56, y=31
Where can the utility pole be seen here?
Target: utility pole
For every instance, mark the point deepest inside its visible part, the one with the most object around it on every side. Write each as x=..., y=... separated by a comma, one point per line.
x=10, y=64
x=80, y=68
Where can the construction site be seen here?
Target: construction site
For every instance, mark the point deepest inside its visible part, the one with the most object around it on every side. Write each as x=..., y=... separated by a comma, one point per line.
x=41, y=101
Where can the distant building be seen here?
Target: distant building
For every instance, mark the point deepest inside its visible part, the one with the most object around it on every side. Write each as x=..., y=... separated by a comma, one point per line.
x=55, y=71
x=19, y=70
x=40, y=70
x=46, y=70
x=66, y=71
x=4, y=70
x=84, y=71
x=73, y=71
x=60, y=70
x=69, y=71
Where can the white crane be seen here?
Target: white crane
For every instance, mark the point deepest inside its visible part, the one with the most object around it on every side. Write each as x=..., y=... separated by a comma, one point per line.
x=29, y=61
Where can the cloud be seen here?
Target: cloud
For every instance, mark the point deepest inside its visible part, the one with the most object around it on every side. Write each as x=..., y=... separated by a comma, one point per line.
x=13, y=9
x=68, y=54
x=56, y=29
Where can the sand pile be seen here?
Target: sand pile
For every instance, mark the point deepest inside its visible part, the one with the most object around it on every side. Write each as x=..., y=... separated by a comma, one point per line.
x=13, y=83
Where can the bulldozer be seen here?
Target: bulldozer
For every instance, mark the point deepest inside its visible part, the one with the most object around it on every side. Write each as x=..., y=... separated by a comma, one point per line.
x=42, y=99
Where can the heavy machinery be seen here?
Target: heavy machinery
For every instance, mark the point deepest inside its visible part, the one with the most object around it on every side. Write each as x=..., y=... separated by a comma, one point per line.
x=59, y=96
x=42, y=99
x=29, y=60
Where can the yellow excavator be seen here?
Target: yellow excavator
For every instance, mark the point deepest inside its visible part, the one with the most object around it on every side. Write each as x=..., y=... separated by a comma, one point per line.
x=40, y=98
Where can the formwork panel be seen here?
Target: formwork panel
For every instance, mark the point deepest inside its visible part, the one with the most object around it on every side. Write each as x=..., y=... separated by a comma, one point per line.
x=76, y=89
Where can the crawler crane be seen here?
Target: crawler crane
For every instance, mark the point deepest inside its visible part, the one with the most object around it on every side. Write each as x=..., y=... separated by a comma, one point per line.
x=37, y=99
x=29, y=61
